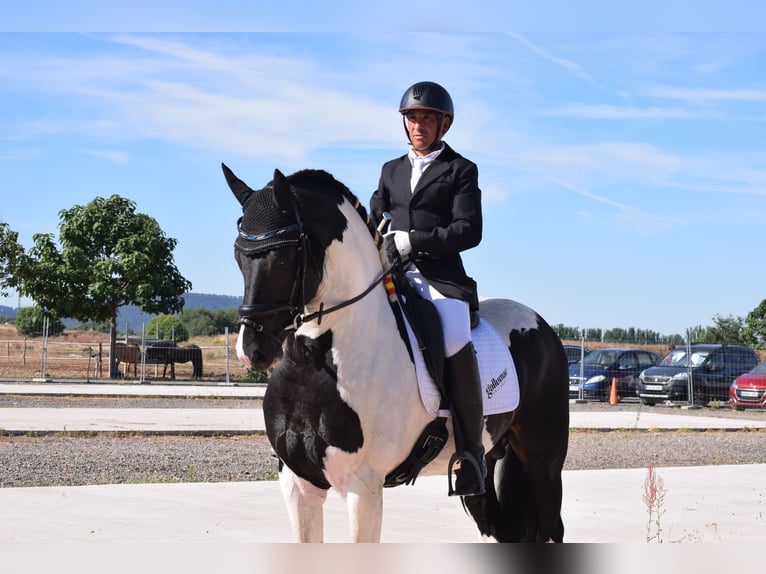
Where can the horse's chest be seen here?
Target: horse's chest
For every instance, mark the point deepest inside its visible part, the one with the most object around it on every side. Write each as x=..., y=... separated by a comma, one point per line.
x=304, y=420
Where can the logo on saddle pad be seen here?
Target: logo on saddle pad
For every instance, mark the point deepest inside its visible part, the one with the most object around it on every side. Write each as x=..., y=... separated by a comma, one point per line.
x=495, y=383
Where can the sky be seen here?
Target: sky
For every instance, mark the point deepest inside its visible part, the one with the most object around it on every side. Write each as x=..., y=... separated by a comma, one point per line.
x=622, y=161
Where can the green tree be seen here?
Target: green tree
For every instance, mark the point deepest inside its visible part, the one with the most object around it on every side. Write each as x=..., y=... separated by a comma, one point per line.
x=167, y=327
x=565, y=332
x=11, y=256
x=29, y=322
x=226, y=318
x=199, y=322
x=726, y=330
x=592, y=334
x=110, y=256
x=755, y=326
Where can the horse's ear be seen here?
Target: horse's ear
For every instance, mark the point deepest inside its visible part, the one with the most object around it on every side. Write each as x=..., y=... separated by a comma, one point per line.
x=241, y=190
x=282, y=193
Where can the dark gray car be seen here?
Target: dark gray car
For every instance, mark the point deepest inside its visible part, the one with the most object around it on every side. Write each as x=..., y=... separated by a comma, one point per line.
x=708, y=369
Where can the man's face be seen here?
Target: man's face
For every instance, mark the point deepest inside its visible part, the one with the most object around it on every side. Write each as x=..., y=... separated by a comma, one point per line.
x=423, y=129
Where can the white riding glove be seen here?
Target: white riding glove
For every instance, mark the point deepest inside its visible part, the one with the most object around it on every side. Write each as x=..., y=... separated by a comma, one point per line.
x=401, y=240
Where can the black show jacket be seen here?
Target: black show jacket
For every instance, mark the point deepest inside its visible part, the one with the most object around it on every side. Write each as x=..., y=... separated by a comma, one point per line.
x=442, y=216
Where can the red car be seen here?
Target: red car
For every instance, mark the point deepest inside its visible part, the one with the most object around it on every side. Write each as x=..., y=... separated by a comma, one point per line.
x=749, y=390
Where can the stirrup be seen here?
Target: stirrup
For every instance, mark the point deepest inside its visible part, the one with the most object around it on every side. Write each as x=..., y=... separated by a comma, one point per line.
x=465, y=457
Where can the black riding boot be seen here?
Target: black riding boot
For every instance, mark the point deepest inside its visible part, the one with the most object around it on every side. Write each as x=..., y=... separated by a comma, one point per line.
x=463, y=386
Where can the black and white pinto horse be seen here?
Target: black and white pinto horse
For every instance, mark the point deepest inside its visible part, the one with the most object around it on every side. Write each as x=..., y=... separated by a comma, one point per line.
x=342, y=407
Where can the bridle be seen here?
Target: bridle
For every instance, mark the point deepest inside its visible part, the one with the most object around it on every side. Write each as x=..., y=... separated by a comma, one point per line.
x=253, y=315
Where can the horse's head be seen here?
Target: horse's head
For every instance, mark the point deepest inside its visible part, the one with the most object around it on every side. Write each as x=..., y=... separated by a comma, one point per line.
x=283, y=235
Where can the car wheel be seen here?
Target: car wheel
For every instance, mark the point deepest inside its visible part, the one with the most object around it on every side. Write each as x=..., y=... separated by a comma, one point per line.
x=648, y=402
x=700, y=397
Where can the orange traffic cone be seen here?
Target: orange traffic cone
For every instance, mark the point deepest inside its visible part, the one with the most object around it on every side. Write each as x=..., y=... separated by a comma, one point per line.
x=613, y=398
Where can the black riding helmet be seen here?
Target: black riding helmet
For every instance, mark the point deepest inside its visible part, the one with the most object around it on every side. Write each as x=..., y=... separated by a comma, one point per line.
x=427, y=96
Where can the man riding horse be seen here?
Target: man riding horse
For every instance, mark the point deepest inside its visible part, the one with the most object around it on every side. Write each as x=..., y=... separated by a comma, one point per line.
x=433, y=195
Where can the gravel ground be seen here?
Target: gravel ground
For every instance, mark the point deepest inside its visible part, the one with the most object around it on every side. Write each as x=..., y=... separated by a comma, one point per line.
x=113, y=459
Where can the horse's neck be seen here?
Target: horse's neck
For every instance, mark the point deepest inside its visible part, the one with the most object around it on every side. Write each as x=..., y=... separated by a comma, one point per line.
x=350, y=267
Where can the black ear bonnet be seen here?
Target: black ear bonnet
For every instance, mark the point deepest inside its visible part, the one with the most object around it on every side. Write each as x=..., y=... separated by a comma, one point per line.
x=264, y=225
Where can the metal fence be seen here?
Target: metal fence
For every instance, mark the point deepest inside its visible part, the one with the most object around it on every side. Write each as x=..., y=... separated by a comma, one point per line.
x=38, y=358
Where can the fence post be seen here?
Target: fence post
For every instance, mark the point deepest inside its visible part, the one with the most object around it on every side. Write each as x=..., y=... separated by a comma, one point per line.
x=43, y=367
x=226, y=339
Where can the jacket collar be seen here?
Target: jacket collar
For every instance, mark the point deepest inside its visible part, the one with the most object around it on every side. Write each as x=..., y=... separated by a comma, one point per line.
x=436, y=169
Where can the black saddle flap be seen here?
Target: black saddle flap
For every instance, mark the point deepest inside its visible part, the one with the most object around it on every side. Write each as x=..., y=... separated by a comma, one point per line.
x=426, y=325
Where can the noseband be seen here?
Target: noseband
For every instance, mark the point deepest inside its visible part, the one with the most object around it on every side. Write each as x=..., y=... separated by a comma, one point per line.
x=253, y=315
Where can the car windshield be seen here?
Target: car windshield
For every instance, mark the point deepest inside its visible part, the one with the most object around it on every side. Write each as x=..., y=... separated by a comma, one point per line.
x=600, y=357
x=680, y=358
x=760, y=369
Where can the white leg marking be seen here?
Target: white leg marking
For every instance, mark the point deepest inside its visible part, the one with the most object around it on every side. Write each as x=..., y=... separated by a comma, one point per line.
x=304, y=506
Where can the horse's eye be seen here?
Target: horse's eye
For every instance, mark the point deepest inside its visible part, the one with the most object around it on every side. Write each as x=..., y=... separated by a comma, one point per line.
x=283, y=260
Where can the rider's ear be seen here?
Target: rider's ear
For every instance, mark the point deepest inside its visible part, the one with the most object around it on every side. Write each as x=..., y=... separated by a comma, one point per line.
x=446, y=123
x=282, y=193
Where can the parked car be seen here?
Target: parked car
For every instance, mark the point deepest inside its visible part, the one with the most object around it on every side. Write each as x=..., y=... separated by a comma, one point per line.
x=713, y=368
x=600, y=366
x=575, y=352
x=749, y=390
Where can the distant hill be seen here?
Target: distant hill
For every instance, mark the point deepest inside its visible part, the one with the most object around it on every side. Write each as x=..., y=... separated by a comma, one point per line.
x=135, y=319
x=7, y=311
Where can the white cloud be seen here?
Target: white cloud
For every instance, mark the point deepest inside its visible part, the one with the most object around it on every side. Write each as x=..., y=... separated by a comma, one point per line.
x=610, y=112
x=111, y=155
x=251, y=105
x=568, y=65
x=703, y=95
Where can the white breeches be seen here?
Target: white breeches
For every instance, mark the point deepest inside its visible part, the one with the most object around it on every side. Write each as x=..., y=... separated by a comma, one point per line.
x=454, y=313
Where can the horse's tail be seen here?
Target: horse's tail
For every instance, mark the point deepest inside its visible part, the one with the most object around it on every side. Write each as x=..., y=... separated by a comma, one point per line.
x=194, y=354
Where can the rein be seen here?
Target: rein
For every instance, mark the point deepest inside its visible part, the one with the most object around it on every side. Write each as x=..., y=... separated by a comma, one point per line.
x=303, y=318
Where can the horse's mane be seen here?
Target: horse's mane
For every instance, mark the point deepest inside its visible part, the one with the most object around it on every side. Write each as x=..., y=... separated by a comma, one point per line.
x=322, y=182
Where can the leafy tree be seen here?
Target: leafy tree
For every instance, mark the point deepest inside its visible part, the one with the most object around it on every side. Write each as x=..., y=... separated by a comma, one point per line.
x=726, y=330
x=29, y=322
x=199, y=322
x=754, y=332
x=11, y=255
x=204, y=322
x=167, y=327
x=226, y=318
x=565, y=332
x=592, y=334
x=110, y=256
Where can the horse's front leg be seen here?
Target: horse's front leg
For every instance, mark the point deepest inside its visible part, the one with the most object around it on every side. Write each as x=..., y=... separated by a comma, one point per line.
x=304, y=506
x=365, y=514
x=363, y=491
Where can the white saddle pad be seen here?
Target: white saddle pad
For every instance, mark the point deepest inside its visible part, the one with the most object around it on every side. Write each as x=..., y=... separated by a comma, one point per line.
x=499, y=381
